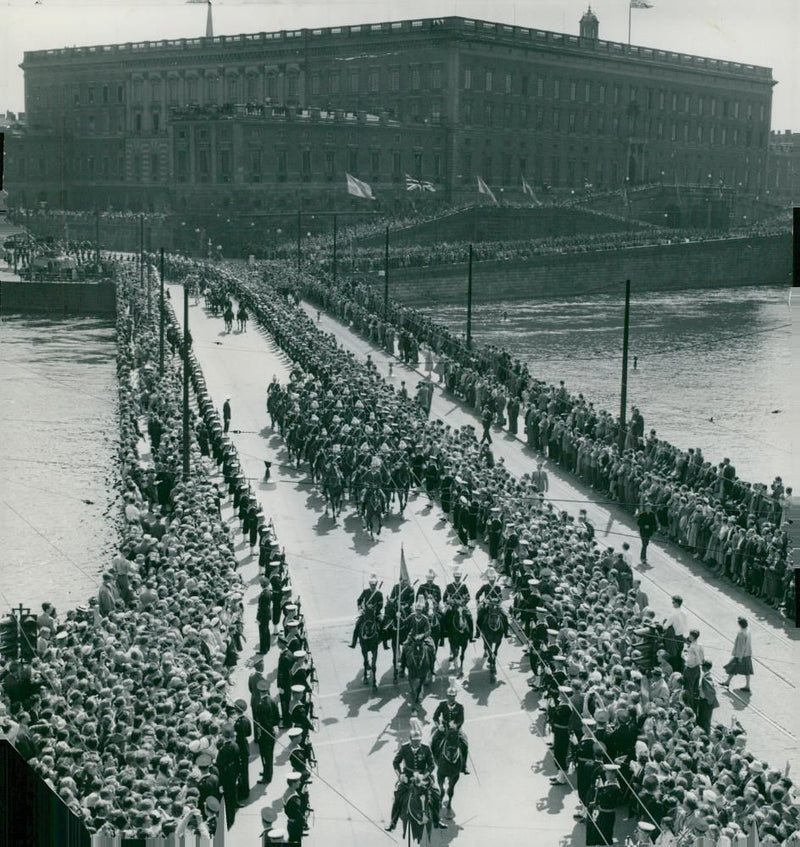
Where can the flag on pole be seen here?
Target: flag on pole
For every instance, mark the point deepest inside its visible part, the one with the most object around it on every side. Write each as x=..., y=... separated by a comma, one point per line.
x=209, y=22
x=641, y=4
x=526, y=189
x=403, y=578
x=418, y=184
x=358, y=188
x=483, y=188
x=403, y=567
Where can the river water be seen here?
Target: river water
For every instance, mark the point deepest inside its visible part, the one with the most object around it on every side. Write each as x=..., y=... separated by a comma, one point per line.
x=58, y=413
x=714, y=368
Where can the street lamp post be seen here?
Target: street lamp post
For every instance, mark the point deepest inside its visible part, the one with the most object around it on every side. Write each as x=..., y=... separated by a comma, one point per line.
x=161, y=319
x=334, y=251
x=469, y=300
x=623, y=400
x=386, y=277
x=185, y=381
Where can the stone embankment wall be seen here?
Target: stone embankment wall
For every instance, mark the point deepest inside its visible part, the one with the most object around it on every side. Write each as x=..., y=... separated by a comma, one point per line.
x=708, y=264
x=59, y=298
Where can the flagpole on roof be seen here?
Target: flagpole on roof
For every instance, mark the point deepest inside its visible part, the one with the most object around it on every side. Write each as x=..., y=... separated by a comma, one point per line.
x=630, y=6
x=209, y=22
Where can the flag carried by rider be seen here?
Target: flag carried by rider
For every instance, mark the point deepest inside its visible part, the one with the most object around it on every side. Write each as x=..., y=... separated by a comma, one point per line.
x=358, y=188
x=403, y=578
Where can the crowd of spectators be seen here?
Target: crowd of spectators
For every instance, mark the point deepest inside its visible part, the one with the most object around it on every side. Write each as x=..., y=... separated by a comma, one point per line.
x=638, y=692
x=124, y=711
x=737, y=528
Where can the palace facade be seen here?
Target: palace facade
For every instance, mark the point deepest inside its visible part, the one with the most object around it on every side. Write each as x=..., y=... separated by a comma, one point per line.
x=274, y=120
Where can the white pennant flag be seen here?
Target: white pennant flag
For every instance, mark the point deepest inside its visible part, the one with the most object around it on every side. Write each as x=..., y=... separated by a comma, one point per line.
x=358, y=188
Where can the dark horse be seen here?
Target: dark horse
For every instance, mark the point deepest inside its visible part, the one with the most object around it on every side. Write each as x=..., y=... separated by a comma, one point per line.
x=417, y=658
x=494, y=627
x=374, y=510
x=459, y=634
x=390, y=631
x=369, y=638
x=446, y=746
x=333, y=488
x=401, y=483
x=415, y=808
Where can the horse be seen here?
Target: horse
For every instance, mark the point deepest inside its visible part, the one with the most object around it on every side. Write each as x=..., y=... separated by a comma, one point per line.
x=228, y=317
x=390, y=632
x=369, y=637
x=333, y=489
x=416, y=657
x=435, y=618
x=415, y=809
x=494, y=627
x=401, y=483
x=374, y=509
x=448, y=753
x=459, y=634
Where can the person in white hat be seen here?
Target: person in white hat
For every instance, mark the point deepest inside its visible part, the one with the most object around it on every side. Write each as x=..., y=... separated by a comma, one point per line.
x=490, y=593
x=603, y=811
x=429, y=588
x=449, y=714
x=370, y=598
x=414, y=759
x=295, y=807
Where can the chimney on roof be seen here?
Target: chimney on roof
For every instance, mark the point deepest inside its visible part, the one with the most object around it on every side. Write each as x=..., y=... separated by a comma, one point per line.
x=209, y=22
x=589, y=26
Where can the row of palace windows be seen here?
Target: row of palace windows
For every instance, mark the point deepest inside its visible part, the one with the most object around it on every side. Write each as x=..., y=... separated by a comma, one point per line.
x=373, y=164
x=571, y=171
x=234, y=88
x=615, y=94
x=599, y=123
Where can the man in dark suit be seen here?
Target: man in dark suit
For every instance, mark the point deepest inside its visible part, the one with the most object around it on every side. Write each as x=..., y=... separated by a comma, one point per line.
x=228, y=769
x=647, y=526
x=267, y=717
x=263, y=615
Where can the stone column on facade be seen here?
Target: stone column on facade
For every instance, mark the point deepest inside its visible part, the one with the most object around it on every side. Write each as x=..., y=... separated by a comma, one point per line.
x=451, y=104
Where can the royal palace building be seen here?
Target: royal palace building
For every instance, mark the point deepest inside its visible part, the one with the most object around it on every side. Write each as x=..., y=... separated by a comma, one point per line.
x=275, y=120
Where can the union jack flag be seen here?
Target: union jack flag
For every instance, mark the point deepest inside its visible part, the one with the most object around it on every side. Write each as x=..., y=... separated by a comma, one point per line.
x=418, y=184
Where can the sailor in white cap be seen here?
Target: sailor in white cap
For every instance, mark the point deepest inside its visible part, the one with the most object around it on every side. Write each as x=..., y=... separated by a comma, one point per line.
x=300, y=707
x=607, y=797
x=294, y=807
x=644, y=833
x=267, y=822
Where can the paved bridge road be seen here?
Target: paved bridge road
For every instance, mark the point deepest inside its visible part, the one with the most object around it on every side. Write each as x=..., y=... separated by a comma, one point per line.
x=503, y=801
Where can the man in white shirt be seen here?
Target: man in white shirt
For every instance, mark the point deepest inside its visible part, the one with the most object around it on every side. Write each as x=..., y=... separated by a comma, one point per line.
x=676, y=627
x=693, y=659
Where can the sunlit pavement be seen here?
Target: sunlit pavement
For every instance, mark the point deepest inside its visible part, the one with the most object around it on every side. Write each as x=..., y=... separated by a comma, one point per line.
x=507, y=797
